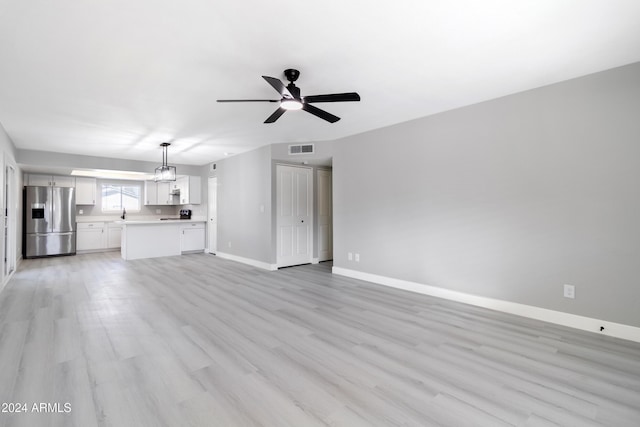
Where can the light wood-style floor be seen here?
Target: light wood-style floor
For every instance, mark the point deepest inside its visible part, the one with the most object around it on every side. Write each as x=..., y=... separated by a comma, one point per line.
x=200, y=341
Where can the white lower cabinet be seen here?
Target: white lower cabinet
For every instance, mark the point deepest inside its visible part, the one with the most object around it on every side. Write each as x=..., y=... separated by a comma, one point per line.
x=90, y=236
x=192, y=237
x=114, y=235
x=98, y=236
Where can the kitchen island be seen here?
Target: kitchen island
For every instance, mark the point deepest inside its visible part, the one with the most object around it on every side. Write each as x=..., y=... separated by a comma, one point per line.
x=157, y=238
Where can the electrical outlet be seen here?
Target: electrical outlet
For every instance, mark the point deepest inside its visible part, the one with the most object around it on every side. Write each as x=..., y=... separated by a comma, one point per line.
x=80, y=212
x=158, y=211
x=569, y=291
x=357, y=257
x=350, y=256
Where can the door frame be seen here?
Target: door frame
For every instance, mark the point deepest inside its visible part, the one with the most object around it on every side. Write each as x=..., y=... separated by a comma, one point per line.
x=9, y=219
x=212, y=193
x=319, y=171
x=311, y=213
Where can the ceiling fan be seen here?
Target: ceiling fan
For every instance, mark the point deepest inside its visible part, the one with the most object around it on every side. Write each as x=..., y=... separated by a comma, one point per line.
x=291, y=99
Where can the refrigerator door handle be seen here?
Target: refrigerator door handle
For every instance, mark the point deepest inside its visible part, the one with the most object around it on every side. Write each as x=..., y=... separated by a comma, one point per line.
x=52, y=234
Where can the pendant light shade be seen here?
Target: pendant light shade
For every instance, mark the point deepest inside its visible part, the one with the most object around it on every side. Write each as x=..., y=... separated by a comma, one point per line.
x=165, y=172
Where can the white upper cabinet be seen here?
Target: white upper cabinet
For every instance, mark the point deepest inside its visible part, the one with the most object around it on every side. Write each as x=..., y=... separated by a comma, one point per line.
x=86, y=191
x=50, y=180
x=150, y=193
x=157, y=193
x=190, y=190
x=164, y=198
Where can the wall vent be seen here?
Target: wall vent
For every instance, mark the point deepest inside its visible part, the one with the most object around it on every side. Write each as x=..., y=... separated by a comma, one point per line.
x=301, y=149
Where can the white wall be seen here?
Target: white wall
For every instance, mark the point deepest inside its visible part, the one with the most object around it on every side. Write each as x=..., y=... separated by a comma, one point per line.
x=507, y=199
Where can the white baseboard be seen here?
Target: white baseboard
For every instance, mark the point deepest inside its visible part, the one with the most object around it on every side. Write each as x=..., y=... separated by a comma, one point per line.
x=617, y=330
x=249, y=261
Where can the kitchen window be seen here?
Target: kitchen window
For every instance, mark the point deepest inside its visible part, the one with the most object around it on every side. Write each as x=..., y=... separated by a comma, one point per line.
x=116, y=197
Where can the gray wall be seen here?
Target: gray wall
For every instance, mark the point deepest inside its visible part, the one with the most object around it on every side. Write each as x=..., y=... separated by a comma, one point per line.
x=244, y=185
x=506, y=199
x=245, y=182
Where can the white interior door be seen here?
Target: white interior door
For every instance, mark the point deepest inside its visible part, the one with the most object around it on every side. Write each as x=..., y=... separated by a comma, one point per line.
x=212, y=228
x=294, y=219
x=325, y=216
x=9, y=250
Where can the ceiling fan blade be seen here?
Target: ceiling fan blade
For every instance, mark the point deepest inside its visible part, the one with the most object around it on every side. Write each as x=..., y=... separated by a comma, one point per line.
x=334, y=97
x=248, y=100
x=275, y=116
x=278, y=86
x=320, y=113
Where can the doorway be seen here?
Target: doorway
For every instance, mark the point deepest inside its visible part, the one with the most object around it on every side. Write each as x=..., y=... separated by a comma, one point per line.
x=9, y=222
x=325, y=215
x=212, y=228
x=294, y=219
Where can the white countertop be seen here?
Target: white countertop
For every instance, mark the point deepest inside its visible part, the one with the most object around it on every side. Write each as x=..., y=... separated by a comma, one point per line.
x=135, y=219
x=157, y=221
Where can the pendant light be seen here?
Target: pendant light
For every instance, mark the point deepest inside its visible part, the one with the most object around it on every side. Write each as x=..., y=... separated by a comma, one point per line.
x=165, y=172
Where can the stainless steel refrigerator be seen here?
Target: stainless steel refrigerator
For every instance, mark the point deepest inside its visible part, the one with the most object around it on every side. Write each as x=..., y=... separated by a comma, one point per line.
x=49, y=221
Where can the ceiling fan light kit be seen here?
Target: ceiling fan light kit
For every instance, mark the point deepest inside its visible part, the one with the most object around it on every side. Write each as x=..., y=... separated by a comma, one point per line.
x=291, y=104
x=165, y=173
x=291, y=99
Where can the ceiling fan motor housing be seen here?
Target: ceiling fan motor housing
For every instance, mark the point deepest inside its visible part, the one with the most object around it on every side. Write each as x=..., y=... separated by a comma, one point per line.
x=291, y=74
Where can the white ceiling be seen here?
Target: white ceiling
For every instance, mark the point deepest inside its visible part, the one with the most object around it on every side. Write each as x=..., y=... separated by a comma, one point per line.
x=115, y=78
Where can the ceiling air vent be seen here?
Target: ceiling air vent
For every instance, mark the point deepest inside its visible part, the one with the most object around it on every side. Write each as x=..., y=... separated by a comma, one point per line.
x=301, y=149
